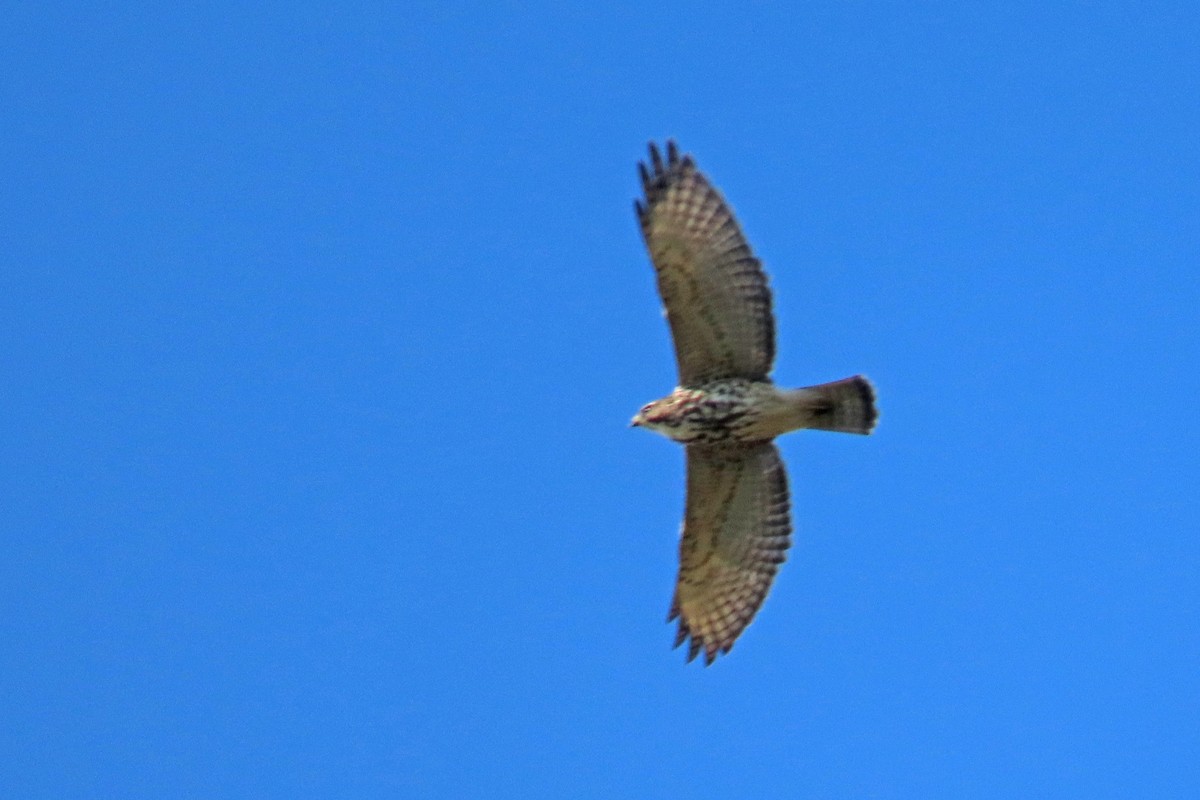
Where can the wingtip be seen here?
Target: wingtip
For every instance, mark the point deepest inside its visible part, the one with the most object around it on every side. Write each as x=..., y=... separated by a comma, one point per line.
x=656, y=159
x=653, y=172
x=644, y=174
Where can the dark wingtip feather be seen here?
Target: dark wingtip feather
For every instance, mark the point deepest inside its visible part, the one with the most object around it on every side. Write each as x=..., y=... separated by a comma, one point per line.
x=657, y=176
x=656, y=159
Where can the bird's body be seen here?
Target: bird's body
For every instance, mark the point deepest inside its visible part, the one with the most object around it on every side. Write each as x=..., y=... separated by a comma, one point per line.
x=736, y=410
x=726, y=410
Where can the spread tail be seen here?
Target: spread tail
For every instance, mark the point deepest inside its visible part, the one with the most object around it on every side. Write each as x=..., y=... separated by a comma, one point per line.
x=847, y=406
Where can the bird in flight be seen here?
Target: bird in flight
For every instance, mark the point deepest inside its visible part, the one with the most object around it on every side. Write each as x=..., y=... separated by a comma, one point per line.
x=726, y=410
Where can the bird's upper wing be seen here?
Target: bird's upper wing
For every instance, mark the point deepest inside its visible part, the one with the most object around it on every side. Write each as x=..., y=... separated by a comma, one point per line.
x=736, y=532
x=714, y=289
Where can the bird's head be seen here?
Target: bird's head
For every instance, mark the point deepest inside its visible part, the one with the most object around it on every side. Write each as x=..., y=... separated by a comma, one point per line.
x=641, y=418
x=661, y=416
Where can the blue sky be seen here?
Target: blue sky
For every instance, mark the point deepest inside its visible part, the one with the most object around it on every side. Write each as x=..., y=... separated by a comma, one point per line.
x=321, y=326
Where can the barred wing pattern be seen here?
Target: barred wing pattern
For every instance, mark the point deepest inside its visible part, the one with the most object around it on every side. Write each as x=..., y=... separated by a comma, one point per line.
x=736, y=532
x=714, y=289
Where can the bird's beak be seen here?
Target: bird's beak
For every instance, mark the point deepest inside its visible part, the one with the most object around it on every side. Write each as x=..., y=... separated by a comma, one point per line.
x=635, y=423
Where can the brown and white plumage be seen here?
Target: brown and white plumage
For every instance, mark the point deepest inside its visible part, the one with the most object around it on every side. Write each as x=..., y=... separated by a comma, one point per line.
x=737, y=530
x=737, y=525
x=713, y=287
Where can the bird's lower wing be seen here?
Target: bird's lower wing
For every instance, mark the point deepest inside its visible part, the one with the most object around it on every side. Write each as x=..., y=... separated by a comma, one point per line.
x=736, y=532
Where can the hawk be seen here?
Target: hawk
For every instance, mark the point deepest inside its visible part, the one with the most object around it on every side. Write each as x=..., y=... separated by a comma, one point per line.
x=726, y=410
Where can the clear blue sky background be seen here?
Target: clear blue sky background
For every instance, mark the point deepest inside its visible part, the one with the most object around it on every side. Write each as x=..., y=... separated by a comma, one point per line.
x=321, y=326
